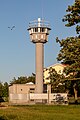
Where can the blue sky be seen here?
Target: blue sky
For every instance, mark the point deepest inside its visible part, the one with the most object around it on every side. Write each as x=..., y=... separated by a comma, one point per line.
x=17, y=53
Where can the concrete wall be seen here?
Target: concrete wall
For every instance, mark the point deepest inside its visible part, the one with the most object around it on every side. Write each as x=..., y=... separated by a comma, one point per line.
x=47, y=98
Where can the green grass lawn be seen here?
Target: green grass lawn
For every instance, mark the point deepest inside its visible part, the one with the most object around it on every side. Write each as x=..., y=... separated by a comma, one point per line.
x=40, y=112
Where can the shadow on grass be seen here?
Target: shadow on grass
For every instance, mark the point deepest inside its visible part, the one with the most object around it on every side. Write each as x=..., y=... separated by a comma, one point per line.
x=8, y=117
x=74, y=103
x=3, y=118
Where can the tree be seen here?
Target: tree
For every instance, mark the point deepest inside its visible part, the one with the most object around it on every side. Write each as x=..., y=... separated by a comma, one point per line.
x=56, y=80
x=31, y=78
x=5, y=90
x=19, y=80
x=70, y=47
x=70, y=55
x=73, y=16
x=23, y=80
x=1, y=89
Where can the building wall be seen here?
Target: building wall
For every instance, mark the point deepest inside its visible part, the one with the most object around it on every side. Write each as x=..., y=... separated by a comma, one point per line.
x=59, y=69
x=19, y=93
x=21, y=88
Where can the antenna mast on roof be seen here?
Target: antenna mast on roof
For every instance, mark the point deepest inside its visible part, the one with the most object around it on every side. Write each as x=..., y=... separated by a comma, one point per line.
x=42, y=9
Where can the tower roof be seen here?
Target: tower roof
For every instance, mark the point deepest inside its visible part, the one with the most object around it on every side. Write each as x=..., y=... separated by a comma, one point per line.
x=39, y=23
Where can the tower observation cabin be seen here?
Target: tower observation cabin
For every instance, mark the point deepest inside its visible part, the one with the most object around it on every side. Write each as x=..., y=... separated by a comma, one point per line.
x=39, y=31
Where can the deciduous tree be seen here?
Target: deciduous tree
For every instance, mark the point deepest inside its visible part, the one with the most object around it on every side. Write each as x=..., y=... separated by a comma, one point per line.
x=70, y=47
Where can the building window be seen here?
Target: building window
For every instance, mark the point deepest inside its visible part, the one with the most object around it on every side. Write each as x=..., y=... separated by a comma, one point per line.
x=21, y=89
x=32, y=90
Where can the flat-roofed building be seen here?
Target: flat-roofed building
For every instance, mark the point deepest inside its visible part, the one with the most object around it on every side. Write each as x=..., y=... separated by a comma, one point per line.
x=24, y=93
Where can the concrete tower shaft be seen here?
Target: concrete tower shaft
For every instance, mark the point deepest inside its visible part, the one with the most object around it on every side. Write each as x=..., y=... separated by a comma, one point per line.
x=39, y=67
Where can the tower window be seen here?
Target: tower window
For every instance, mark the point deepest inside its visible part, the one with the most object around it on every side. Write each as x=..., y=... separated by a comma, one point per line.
x=36, y=29
x=42, y=30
